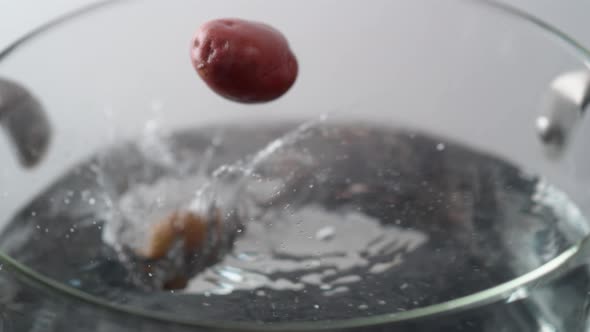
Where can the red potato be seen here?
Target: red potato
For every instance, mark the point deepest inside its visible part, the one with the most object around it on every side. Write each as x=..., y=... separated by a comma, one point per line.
x=244, y=61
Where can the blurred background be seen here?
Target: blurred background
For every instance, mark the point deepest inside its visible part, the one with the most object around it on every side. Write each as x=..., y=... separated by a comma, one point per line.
x=19, y=16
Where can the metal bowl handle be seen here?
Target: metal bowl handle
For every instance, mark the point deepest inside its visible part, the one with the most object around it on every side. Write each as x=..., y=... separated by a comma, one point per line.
x=23, y=119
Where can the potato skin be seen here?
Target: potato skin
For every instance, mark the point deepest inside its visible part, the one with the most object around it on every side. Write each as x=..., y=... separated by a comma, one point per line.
x=190, y=228
x=244, y=61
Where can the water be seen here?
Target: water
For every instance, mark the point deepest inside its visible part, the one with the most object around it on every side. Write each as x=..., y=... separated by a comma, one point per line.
x=346, y=220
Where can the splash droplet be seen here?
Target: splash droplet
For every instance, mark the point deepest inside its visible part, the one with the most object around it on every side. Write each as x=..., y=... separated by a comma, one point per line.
x=325, y=233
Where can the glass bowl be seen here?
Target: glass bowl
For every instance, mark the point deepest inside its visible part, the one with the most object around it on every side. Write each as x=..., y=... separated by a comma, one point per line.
x=439, y=181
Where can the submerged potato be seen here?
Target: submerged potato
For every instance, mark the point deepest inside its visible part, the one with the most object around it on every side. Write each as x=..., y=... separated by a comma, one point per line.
x=187, y=227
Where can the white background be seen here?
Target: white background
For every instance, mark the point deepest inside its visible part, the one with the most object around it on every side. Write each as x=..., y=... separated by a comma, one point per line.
x=19, y=16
